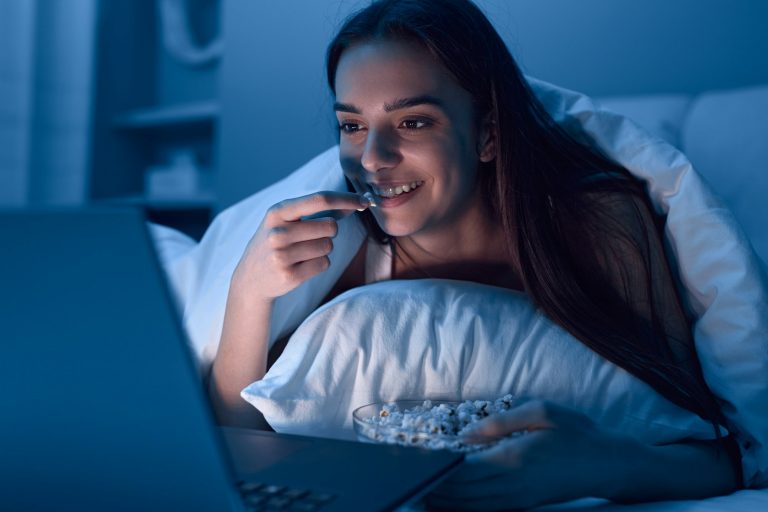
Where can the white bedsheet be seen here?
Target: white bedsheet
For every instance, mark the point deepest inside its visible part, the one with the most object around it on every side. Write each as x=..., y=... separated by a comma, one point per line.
x=749, y=500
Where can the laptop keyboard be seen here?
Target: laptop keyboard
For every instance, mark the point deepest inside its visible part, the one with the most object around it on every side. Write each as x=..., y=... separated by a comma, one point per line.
x=263, y=497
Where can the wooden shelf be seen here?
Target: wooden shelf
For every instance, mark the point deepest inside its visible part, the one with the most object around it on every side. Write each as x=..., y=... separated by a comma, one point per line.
x=168, y=116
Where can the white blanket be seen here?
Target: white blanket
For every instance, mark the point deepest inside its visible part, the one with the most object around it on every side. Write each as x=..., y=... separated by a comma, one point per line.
x=723, y=284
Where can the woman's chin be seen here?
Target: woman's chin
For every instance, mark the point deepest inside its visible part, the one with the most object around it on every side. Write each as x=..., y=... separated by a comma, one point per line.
x=396, y=229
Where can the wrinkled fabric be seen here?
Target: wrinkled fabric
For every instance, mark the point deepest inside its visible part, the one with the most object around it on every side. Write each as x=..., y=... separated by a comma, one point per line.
x=453, y=340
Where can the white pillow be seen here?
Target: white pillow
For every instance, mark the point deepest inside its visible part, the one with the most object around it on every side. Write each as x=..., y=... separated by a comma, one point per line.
x=661, y=114
x=726, y=138
x=450, y=339
x=171, y=246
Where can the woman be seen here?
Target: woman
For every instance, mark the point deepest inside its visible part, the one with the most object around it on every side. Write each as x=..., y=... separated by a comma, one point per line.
x=473, y=179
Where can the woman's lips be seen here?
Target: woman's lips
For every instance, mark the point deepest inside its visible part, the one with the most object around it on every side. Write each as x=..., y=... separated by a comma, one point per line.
x=391, y=189
x=391, y=194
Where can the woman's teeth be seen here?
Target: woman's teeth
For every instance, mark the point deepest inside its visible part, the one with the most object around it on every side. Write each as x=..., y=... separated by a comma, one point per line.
x=390, y=192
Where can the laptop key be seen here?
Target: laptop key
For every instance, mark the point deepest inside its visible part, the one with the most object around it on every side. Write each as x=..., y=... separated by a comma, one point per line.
x=272, y=490
x=262, y=497
x=249, y=487
x=304, y=506
x=278, y=501
x=255, y=499
x=319, y=497
x=295, y=494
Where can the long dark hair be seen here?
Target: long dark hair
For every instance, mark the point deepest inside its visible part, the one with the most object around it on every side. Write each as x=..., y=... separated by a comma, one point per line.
x=541, y=182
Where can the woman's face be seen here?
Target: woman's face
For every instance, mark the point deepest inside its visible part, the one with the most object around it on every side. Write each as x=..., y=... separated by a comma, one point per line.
x=409, y=131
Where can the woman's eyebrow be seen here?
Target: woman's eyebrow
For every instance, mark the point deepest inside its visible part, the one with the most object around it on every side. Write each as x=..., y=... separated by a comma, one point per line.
x=395, y=105
x=345, y=107
x=412, y=102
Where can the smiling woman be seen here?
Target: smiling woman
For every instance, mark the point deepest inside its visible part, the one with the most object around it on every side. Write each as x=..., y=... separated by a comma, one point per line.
x=475, y=181
x=410, y=134
x=403, y=120
x=410, y=123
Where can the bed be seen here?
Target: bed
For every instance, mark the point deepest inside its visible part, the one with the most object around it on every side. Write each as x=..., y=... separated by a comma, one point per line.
x=719, y=256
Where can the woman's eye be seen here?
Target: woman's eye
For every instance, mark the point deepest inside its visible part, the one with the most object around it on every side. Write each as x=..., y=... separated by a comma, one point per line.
x=349, y=128
x=414, y=124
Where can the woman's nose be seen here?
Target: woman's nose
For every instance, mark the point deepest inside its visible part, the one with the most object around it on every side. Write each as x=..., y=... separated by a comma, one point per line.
x=380, y=151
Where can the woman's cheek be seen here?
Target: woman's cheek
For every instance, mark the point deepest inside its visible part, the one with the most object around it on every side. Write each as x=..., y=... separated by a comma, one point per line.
x=350, y=164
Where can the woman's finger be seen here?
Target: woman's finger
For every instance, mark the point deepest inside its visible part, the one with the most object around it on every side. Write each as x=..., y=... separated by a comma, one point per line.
x=294, y=232
x=304, y=251
x=528, y=416
x=502, y=459
x=292, y=210
x=310, y=268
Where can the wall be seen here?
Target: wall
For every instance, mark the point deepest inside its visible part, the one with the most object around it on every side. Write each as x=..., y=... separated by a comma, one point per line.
x=276, y=113
x=45, y=89
x=177, y=82
x=610, y=47
x=62, y=91
x=16, y=50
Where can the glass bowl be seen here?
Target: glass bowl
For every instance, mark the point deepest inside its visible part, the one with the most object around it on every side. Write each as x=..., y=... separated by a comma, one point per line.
x=431, y=424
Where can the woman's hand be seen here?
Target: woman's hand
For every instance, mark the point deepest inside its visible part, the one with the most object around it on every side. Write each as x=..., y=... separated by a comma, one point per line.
x=290, y=246
x=560, y=456
x=292, y=243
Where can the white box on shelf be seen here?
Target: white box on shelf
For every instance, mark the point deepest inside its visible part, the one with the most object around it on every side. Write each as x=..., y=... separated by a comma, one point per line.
x=181, y=178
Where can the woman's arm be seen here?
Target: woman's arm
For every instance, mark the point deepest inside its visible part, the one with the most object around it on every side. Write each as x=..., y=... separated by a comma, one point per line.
x=287, y=249
x=241, y=358
x=563, y=456
x=691, y=470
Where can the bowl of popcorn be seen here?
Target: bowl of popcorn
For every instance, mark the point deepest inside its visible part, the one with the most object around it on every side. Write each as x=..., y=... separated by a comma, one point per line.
x=432, y=424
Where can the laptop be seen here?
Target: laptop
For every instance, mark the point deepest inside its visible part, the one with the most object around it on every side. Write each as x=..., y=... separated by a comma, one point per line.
x=103, y=407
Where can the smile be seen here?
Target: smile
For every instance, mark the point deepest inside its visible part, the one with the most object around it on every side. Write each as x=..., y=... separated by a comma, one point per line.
x=390, y=192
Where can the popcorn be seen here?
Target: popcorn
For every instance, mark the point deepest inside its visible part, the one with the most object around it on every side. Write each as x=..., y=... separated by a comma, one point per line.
x=371, y=199
x=432, y=426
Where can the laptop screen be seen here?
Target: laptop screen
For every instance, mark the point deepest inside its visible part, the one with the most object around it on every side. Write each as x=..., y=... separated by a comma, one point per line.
x=101, y=403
